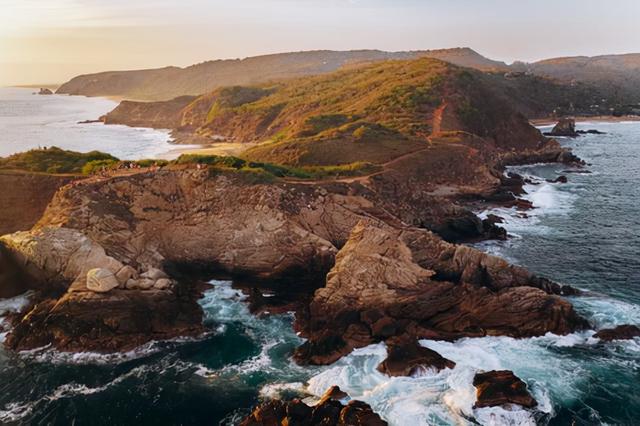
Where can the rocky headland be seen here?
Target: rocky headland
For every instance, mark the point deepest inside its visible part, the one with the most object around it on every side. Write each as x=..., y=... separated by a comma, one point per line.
x=359, y=220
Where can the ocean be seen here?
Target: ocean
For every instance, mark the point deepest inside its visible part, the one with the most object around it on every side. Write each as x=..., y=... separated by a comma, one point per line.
x=30, y=121
x=585, y=233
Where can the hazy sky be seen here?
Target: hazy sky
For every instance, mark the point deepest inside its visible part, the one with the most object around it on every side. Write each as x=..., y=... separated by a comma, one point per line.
x=48, y=41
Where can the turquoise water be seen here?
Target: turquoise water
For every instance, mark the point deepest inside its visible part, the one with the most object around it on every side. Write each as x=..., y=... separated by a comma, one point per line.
x=585, y=233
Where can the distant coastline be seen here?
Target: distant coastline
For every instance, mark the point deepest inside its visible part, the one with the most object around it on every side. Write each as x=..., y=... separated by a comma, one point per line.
x=50, y=86
x=583, y=118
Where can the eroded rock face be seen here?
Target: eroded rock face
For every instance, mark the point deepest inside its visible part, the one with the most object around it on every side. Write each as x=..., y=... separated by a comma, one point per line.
x=83, y=304
x=389, y=281
x=622, y=332
x=406, y=357
x=496, y=388
x=328, y=412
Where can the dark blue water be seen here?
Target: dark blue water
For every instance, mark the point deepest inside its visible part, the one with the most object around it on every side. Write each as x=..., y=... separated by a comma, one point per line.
x=585, y=233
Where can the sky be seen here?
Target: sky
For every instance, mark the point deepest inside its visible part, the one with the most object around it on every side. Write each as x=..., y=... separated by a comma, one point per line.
x=50, y=41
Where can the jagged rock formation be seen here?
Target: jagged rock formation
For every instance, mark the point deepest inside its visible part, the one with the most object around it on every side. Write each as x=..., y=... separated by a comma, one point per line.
x=45, y=91
x=136, y=225
x=388, y=281
x=329, y=411
x=496, y=388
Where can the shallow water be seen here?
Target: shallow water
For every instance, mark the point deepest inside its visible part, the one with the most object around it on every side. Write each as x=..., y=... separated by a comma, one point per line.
x=30, y=121
x=585, y=233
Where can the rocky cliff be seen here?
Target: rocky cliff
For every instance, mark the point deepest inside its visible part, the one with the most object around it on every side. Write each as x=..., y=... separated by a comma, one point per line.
x=100, y=252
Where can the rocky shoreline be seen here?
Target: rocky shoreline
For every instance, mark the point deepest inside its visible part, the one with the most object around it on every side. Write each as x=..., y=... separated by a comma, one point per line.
x=362, y=261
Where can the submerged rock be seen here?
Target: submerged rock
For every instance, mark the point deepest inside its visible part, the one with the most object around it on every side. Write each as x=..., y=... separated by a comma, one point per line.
x=407, y=357
x=329, y=411
x=559, y=179
x=621, y=332
x=496, y=388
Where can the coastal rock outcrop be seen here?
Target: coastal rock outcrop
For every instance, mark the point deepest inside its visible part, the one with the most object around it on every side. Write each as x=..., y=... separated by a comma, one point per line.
x=496, y=388
x=82, y=304
x=83, y=320
x=405, y=357
x=621, y=332
x=388, y=281
x=386, y=277
x=45, y=91
x=329, y=411
x=565, y=127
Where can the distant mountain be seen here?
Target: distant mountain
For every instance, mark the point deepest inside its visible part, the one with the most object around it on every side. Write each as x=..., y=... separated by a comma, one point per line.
x=172, y=82
x=618, y=75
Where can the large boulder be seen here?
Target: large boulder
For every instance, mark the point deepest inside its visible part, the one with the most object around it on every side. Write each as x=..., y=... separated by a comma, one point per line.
x=101, y=280
x=496, y=388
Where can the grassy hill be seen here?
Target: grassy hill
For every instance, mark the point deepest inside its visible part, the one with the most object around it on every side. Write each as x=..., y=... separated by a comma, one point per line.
x=370, y=113
x=171, y=82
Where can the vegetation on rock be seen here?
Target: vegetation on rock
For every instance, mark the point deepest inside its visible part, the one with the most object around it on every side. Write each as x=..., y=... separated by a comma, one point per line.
x=54, y=160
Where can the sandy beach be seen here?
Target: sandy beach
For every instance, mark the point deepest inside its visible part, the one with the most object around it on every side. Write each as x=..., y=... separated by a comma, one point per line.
x=220, y=148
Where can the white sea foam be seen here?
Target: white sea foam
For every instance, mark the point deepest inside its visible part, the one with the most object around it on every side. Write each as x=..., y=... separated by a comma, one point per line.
x=434, y=398
x=14, y=304
x=553, y=375
x=15, y=411
x=275, y=390
x=605, y=312
x=47, y=354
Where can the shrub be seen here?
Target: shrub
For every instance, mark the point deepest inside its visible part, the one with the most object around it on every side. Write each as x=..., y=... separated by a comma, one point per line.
x=53, y=160
x=97, y=165
x=151, y=162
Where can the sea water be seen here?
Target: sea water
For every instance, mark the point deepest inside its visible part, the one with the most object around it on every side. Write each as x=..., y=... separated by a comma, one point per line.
x=30, y=121
x=585, y=233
